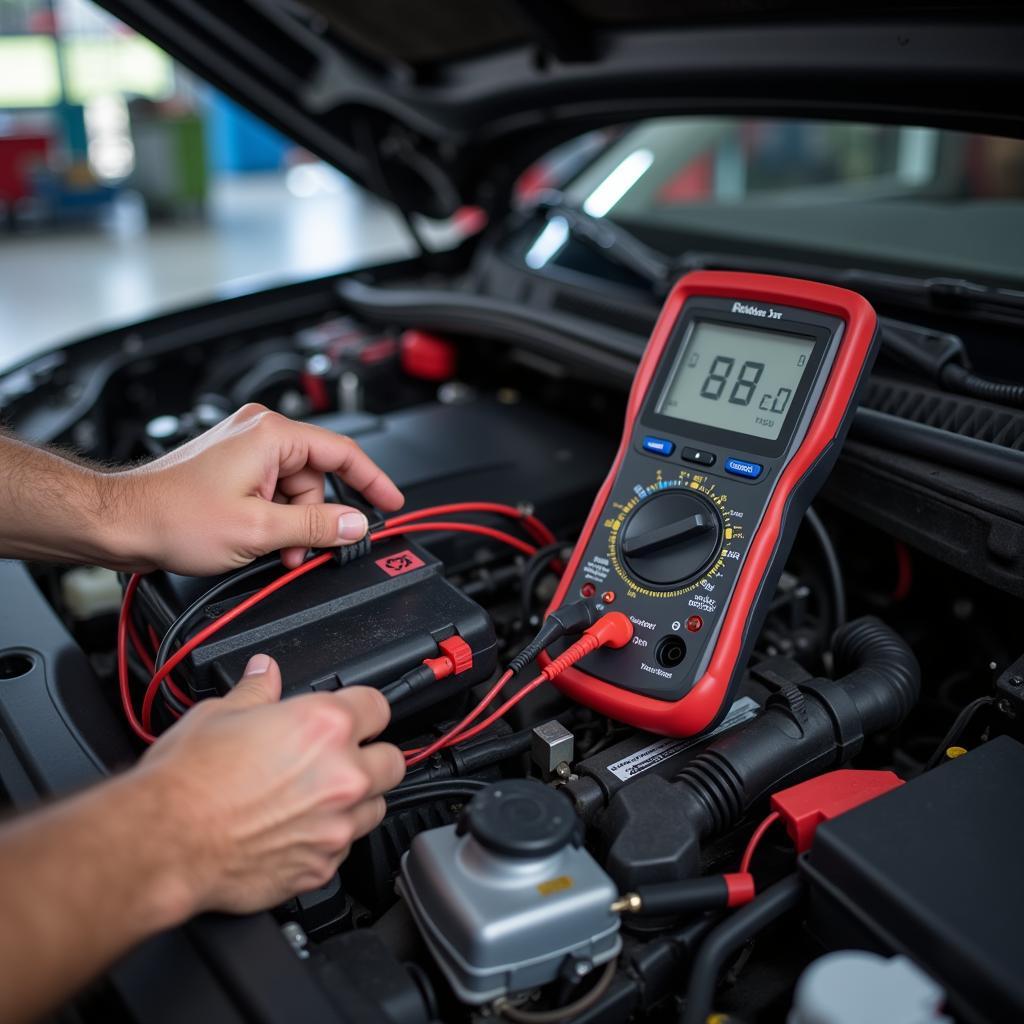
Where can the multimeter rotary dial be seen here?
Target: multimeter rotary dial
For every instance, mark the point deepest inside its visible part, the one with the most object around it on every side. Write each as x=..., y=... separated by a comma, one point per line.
x=671, y=538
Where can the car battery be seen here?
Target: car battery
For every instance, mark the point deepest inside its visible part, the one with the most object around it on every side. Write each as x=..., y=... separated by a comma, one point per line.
x=362, y=623
x=931, y=871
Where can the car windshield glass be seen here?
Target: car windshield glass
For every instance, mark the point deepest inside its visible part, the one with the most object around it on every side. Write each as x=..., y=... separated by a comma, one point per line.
x=881, y=196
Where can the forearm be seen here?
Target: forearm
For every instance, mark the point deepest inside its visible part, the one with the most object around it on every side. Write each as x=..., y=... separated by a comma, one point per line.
x=251, y=485
x=81, y=882
x=54, y=508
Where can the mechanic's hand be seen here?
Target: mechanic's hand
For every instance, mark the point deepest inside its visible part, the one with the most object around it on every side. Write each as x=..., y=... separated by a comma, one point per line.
x=266, y=797
x=251, y=485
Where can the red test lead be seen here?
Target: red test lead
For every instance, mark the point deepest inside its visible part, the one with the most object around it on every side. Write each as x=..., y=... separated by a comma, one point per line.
x=613, y=629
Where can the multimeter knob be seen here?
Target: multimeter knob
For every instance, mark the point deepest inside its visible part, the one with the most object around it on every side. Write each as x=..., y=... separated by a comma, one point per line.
x=671, y=537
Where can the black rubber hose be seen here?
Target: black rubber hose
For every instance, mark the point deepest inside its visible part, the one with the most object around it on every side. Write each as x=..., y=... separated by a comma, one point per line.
x=956, y=378
x=734, y=932
x=878, y=671
x=654, y=828
x=810, y=729
x=438, y=789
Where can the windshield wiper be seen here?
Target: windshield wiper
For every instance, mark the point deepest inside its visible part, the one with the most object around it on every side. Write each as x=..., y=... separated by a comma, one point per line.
x=616, y=243
x=661, y=271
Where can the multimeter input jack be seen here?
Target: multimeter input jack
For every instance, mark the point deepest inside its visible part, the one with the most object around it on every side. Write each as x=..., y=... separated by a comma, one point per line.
x=670, y=651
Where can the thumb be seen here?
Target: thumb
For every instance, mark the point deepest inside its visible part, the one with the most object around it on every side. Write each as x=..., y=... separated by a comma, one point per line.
x=313, y=526
x=261, y=683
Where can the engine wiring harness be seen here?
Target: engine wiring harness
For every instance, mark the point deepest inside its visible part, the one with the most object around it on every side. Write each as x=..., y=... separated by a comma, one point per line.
x=454, y=657
x=654, y=828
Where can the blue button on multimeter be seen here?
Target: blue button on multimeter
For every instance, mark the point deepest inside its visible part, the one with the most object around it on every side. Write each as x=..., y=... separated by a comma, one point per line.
x=658, y=445
x=740, y=467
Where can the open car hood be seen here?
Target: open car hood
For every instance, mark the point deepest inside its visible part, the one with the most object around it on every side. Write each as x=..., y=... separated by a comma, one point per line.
x=436, y=105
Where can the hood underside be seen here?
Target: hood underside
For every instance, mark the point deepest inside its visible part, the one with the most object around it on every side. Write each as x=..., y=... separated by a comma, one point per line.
x=442, y=104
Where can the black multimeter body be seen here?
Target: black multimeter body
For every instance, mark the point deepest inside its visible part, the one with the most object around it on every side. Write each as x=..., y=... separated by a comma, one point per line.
x=736, y=416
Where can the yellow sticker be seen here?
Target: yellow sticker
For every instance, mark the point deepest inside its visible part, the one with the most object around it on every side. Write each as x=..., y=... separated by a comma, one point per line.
x=553, y=885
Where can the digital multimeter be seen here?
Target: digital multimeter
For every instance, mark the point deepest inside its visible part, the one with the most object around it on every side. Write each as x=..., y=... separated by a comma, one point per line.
x=736, y=416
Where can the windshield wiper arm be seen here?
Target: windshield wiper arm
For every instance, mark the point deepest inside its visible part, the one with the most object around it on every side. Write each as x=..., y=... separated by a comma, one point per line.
x=661, y=271
x=616, y=243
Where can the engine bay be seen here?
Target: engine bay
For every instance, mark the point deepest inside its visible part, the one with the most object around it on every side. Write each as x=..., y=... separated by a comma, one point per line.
x=558, y=864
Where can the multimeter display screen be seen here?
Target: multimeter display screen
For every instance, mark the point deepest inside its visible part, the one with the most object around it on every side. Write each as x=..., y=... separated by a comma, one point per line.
x=736, y=378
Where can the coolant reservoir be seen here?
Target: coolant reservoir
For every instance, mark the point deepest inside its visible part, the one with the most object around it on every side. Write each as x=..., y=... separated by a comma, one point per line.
x=508, y=895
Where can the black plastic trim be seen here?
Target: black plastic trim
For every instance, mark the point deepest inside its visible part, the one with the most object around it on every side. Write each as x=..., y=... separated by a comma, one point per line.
x=463, y=131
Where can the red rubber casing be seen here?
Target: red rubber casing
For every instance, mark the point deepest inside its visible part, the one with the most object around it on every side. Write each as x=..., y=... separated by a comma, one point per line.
x=704, y=703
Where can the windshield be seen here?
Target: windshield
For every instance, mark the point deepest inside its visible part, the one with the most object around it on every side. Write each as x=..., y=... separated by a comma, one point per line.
x=880, y=196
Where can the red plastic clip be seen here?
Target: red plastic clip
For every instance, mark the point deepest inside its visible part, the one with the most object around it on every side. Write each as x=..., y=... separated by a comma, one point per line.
x=456, y=657
x=805, y=806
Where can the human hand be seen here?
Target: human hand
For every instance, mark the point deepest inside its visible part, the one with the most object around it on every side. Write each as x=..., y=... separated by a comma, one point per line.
x=251, y=485
x=265, y=798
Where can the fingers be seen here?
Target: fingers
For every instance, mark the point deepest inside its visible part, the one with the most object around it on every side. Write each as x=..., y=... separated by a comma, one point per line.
x=306, y=487
x=354, y=824
x=367, y=816
x=370, y=711
x=301, y=527
x=261, y=683
x=292, y=558
x=384, y=764
x=327, y=452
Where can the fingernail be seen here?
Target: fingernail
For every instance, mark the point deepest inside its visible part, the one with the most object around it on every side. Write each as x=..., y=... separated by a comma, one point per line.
x=258, y=664
x=351, y=526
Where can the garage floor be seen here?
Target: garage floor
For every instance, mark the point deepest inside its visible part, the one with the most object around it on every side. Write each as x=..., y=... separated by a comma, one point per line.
x=55, y=286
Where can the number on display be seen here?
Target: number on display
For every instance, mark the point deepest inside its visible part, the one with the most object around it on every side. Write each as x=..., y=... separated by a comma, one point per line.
x=742, y=391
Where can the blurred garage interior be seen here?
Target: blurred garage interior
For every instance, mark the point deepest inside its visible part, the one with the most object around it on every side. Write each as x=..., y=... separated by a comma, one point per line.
x=128, y=187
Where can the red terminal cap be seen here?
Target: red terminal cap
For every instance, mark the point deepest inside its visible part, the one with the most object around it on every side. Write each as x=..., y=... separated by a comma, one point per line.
x=456, y=658
x=316, y=391
x=739, y=887
x=427, y=356
x=805, y=806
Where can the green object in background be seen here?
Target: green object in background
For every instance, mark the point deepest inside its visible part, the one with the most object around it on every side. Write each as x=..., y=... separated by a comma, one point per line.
x=170, y=161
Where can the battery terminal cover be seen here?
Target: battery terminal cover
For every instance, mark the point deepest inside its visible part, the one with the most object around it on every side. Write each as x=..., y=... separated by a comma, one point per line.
x=507, y=895
x=805, y=806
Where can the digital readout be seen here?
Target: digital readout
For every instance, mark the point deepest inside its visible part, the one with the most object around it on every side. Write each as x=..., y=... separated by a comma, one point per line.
x=736, y=378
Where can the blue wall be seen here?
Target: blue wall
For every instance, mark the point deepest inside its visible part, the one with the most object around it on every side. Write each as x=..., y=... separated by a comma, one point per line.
x=238, y=141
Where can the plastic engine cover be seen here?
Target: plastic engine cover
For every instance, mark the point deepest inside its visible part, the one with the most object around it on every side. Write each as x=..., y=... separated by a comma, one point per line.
x=504, y=897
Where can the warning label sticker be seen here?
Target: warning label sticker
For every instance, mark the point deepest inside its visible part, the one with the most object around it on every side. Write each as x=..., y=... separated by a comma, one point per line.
x=400, y=562
x=661, y=750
